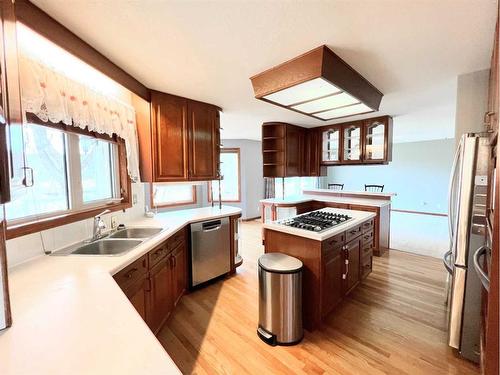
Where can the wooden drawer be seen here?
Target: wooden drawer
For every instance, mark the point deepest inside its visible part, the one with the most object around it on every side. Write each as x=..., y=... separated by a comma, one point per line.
x=157, y=254
x=367, y=237
x=176, y=239
x=132, y=272
x=367, y=249
x=353, y=233
x=368, y=225
x=334, y=242
x=366, y=266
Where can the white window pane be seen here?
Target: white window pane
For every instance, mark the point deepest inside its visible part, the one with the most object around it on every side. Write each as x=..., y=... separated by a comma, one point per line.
x=293, y=185
x=170, y=194
x=45, y=154
x=96, y=162
x=230, y=183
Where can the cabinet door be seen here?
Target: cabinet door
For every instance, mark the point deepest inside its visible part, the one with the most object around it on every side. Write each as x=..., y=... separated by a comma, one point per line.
x=331, y=142
x=376, y=140
x=352, y=255
x=160, y=299
x=294, y=151
x=352, y=142
x=313, y=153
x=332, y=290
x=180, y=272
x=170, y=155
x=203, y=125
x=137, y=294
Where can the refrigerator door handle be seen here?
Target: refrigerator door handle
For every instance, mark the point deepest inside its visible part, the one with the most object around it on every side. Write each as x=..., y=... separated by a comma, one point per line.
x=483, y=276
x=446, y=262
x=451, y=186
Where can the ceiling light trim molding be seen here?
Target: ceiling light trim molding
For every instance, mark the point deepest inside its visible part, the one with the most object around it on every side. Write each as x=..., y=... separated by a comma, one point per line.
x=319, y=63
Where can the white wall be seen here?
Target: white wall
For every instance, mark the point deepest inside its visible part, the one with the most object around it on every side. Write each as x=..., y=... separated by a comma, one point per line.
x=419, y=174
x=26, y=247
x=472, y=102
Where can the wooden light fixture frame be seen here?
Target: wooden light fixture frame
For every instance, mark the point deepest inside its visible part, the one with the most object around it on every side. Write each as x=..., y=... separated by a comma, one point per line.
x=320, y=62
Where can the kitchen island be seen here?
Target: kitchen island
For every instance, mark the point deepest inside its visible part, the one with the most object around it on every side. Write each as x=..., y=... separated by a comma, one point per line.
x=335, y=259
x=313, y=199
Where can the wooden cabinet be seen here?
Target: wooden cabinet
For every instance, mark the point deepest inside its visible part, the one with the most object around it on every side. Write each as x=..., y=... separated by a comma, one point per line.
x=352, y=261
x=331, y=141
x=155, y=282
x=179, y=272
x=179, y=141
x=376, y=146
x=332, y=289
x=367, y=141
x=170, y=148
x=204, y=139
x=352, y=138
x=160, y=298
x=290, y=151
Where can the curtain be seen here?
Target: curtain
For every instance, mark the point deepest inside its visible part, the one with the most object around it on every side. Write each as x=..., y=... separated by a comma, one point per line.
x=269, y=187
x=54, y=97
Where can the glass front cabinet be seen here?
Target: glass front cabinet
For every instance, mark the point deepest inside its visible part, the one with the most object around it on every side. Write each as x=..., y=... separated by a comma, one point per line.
x=359, y=142
x=352, y=138
x=377, y=140
x=331, y=145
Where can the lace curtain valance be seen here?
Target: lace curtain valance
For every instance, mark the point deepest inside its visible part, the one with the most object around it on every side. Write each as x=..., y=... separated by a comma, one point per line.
x=54, y=97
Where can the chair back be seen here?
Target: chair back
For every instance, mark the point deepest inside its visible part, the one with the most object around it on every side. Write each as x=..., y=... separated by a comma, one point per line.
x=374, y=188
x=336, y=186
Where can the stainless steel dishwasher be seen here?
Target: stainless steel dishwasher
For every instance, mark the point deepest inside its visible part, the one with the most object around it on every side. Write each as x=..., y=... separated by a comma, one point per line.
x=210, y=250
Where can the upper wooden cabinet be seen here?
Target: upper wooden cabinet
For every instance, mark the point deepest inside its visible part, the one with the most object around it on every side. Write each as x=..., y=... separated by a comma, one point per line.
x=377, y=146
x=204, y=139
x=331, y=145
x=351, y=142
x=367, y=141
x=290, y=150
x=179, y=141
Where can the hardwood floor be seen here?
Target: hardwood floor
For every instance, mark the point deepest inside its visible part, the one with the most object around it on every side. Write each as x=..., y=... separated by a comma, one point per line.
x=394, y=323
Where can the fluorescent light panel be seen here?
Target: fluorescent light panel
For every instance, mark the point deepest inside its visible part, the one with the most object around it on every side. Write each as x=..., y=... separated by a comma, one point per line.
x=330, y=102
x=309, y=90
x=351, y=110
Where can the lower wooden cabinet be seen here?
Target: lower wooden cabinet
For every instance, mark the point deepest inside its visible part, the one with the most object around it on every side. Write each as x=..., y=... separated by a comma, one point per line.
x=160, y=301
x=352, y=251
x=333, y=270
x=179, y=272
x=137, y=293
x=155, y=282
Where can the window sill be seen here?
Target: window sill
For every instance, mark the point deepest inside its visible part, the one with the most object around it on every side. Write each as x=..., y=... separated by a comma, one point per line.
x=22, y=229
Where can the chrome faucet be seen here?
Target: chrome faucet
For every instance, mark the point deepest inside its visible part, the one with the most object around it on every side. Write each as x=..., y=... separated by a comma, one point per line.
x=98, y=227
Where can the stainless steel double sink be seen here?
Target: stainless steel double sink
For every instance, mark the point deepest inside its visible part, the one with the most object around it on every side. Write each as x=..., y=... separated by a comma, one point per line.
x=115, y=243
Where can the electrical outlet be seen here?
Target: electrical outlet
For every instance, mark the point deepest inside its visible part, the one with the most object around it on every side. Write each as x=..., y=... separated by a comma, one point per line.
x=114, y=222
x=134, y=198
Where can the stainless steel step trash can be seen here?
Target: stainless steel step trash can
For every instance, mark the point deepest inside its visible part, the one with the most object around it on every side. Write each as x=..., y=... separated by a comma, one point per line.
x=280, y=299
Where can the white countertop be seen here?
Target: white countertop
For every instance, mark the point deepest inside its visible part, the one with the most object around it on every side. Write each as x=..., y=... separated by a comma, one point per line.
x=358, y=217
x=70, y=316
x=361, y=193
x=325, y=198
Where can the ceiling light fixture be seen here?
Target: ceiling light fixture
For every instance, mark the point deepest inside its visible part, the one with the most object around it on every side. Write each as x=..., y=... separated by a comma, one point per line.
x=318, y=84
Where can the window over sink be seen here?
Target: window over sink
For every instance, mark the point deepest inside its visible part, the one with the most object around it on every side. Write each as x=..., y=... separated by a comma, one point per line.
x=69, y=171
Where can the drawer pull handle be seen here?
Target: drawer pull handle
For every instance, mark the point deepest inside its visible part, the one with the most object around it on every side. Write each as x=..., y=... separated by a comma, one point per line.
x=129, y=274
x=353, y=231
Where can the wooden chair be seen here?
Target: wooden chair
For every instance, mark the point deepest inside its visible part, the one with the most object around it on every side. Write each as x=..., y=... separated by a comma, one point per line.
x=336, y=186
x=374, y=188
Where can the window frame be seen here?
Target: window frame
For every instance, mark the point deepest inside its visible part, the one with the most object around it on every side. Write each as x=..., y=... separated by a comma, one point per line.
x=21, y=227
x=194, y=198
x=229, y=150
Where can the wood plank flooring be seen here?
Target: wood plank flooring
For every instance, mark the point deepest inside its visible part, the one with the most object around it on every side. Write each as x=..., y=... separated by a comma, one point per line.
x=394, y=323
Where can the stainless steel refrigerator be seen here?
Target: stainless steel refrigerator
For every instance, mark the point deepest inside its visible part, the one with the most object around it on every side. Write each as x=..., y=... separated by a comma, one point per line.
x=467, y=225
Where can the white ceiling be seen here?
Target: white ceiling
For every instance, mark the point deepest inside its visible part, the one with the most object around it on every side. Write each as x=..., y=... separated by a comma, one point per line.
x=411, y=50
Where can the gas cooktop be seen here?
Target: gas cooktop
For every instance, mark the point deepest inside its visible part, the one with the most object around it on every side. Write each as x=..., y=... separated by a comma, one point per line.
x=316, y=221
